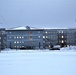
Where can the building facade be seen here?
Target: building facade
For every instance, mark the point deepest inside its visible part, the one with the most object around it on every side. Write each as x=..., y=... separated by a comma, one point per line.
x=62, y=37
x=36, y=38
x=24, y=38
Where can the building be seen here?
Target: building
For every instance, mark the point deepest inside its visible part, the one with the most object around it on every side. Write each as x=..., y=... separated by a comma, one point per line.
x=19, y=39
x=2, y=38
x=62, y=37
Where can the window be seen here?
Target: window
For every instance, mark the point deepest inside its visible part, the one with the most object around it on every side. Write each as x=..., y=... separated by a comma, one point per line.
x=49, y=46
x=59, y=31
x=17, y=37
x=10, y=32
x=22, y=41
x=46, y=36
x=62, y=36
x=15, y=46
x=17, y=41
x=23, y=46
x=0, y=37
x=38, y=36
x=43, y=36
x=62, y=41
x=14, y=41
x=38, y=31
x=31, y=42
x=14, y=37
x=30, y=32
x=30, y=37
x=46, y=32
x=22, y=36
x=62, y=31
x=10, y=37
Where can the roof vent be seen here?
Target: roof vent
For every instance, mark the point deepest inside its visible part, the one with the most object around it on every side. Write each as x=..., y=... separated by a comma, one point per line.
x=27, y=27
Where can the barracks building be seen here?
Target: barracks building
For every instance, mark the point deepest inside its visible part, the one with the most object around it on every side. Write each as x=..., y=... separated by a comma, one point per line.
x=32, y=38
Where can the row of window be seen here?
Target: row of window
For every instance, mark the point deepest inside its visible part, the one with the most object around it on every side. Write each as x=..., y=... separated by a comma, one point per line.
x=46, y=32
x=18, y=46
x=49, y=37
x=22, y=37
x=29, y=32
x=16, y=42
x=54, y=32
x=68, y=41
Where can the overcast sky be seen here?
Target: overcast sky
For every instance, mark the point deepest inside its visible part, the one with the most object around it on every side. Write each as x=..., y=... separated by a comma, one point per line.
x=38, y=13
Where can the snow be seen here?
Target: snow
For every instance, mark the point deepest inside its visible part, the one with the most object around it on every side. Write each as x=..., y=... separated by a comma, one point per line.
x=38, y=62
x=23, y=28
x=71, y=48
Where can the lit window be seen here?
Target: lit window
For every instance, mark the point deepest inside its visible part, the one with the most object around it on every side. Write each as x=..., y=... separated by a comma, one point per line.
x=20, y=37
x=43, y=36
x=46, y=32
x=62, y=41
x=62, y=31
x=49, y=46
x=17, y=37
x=46, y=36
x=62, y=36
x=17, y=41
x=14, y=41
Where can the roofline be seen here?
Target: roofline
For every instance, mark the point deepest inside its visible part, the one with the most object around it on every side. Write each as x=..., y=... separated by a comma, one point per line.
x=24, y=29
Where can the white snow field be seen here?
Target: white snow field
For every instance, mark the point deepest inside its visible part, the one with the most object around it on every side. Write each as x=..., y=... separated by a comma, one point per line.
x=37, y=62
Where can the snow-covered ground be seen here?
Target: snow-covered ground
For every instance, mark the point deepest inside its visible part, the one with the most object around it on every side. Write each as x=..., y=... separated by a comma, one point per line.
x=38, y=62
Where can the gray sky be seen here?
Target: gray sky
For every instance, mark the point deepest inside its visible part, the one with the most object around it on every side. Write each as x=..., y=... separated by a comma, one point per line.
x=38, y=13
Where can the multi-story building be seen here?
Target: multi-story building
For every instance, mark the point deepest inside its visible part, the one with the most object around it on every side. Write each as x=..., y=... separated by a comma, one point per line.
x=24, y=38
x=62, y=37
x=2, y=38
x=36, y=38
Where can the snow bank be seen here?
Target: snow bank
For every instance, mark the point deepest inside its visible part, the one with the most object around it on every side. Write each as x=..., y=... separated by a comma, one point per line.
x=69, y=48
